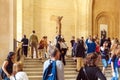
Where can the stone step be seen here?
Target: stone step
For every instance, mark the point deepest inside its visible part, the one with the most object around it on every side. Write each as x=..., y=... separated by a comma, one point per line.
x=40, y=63
x=40, y=73
x=40, y=69
x=41, y=66
x=34, y=69
x=34, y=60
x=44, y=59
x=66, y=76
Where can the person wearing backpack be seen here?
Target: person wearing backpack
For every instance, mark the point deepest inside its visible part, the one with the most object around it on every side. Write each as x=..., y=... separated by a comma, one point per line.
x=7, y=67
x=53, y=69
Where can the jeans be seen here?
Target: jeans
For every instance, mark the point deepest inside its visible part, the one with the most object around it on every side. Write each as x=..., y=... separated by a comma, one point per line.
x=115, y=74
x=6, y=78
x=105, y=63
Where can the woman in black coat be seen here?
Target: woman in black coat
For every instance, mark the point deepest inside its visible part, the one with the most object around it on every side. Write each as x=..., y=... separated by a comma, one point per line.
x=79, y=53
x=80, y=49
x=91, y=71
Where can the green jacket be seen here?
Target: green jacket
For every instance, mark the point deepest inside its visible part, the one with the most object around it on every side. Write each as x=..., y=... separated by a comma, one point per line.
x=33, y=38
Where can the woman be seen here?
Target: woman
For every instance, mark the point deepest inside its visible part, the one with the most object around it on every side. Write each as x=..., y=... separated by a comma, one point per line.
x=7, y=66
x=114, y=62
x=80, y=54
x=90, y=71
x=104, y=55
x=20, y=75
x=64, y=49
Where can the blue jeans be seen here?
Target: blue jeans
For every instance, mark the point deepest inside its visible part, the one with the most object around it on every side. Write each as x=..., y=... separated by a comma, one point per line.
x=105, y=63
x=116, y=74
x=6, y=78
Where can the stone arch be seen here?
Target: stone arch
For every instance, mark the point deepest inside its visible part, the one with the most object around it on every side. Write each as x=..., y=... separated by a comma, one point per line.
x=108, y=19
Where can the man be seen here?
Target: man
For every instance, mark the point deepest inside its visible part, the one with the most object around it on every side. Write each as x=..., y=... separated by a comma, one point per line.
x=54, y=53
x=25, y=45
x=91, y=46
x=72, y=43
x=33, y=43
x=102, y=40
x=103, y=33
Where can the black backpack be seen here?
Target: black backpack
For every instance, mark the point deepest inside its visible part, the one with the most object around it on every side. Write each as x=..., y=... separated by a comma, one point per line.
x=51, y=71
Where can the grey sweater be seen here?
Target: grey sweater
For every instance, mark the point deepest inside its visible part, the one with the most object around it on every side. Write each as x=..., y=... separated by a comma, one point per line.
x=60, y=68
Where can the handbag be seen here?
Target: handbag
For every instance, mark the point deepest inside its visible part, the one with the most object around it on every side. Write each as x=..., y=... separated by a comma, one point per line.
x=85, y=73
x=118, y=62
x=2, y=74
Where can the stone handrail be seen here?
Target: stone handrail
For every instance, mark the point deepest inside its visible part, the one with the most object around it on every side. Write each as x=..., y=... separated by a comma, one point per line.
x=19, y=53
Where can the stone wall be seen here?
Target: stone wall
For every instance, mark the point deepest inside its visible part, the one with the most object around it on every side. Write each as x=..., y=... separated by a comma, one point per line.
x=45, y=12
x=40, y=15
x=28, y=16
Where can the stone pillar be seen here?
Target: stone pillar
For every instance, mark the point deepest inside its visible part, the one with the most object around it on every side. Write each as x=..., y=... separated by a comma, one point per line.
x=11, y=37
x=6, y=28
x=83, y=15
x=19, y=19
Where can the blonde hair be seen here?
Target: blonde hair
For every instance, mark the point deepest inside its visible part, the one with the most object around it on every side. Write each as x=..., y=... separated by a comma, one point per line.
x=115, y=49
x=18, y=66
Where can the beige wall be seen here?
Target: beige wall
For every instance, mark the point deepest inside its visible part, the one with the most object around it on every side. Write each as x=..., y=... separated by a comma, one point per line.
x=106, y=12
x=28, y=15
x=40, y=14
x=45, y=10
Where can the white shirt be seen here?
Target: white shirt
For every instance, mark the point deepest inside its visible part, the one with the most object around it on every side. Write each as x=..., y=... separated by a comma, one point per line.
x=20, y=76
x=63, y=45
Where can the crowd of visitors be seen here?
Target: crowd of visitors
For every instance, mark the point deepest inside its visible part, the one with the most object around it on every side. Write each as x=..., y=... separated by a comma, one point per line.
x=87, y=54
x=106, y=49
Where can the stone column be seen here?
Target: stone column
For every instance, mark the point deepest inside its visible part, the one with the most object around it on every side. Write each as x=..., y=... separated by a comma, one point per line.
x=83, y=23
x=7, y=25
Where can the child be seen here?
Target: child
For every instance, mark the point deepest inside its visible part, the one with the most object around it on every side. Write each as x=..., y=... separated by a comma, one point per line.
x=18, y=73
